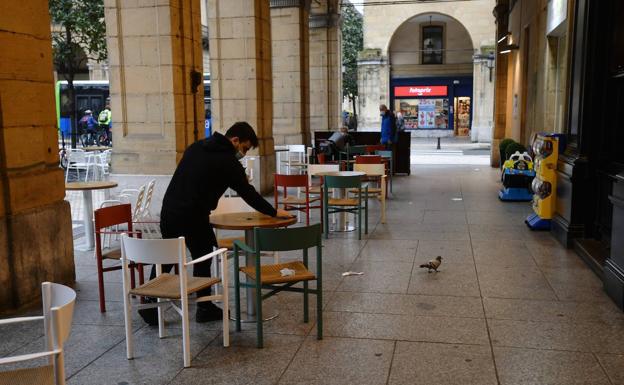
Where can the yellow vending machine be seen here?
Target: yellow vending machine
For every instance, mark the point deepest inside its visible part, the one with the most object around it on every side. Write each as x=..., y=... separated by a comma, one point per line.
x=546, y=148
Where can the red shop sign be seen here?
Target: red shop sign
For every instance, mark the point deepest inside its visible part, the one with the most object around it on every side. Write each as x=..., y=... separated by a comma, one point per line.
x=420, y=91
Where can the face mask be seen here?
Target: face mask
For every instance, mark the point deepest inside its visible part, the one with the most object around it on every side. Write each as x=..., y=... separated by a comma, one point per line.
x=239, y=155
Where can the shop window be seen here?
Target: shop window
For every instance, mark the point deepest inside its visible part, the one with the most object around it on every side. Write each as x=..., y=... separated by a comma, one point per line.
x=432, y=44
x=424, y=114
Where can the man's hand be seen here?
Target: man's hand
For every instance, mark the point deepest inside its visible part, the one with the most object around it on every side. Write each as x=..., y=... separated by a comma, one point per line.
x=283, y=214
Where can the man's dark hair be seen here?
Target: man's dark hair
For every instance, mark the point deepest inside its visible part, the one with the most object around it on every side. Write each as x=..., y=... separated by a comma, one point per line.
x=244, y=132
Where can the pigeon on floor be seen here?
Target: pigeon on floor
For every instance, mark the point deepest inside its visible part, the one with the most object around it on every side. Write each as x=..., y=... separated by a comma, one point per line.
x=432, y=265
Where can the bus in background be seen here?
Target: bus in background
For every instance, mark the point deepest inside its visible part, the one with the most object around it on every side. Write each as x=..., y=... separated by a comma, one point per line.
x=89, y=95
x=92, y=95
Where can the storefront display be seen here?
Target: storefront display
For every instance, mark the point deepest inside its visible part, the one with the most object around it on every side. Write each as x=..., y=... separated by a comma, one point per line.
x=462, y=116
x=423, y=113
x=434, y=104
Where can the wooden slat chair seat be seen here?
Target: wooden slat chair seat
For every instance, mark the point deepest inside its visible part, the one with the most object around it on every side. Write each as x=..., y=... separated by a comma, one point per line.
x=343, y=201
x=42, y=375
x=267, y=280
x=168, y=286
x=111, y=253
x=293, y=200
x=371, y=191
x=271, y=274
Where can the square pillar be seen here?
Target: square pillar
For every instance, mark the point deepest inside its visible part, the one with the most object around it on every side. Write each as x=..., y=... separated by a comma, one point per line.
x=290, y=46
x=36, y=242
x=325, y=66
x=157, y=103
x=241, y=74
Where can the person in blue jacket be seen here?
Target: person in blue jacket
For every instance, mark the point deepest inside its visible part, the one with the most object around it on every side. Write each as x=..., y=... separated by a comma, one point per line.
x=388, y=126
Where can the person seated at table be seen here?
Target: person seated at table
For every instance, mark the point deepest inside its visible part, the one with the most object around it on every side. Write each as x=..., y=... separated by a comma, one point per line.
x=338, y=141
x=207, y=168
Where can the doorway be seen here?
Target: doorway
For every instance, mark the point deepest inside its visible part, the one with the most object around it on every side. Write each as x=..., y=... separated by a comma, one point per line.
x=462, y=121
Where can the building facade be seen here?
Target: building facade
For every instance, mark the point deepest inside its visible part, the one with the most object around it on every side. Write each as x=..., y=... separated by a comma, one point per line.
x=433, y=62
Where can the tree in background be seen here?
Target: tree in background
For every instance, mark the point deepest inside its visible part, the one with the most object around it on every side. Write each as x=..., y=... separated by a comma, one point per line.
x=352, y=44
x=79, y=34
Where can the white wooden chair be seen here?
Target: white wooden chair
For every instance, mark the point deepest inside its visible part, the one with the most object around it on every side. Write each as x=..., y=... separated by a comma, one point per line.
x=313, y=171
x=168, y=288
x=296, y=158
x=58, y=310
x=375, y=170
x=78, y=159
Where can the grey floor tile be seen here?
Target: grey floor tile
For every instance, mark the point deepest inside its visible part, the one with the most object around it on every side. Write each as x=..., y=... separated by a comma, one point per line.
x=409, y=328
x=380, y=277
x=406, y=304
x=444, y=217
x=242, y=362
x=438, y=364
x=579, y=337
x=572, y=292
x=577, y=277
x=451, y=251
x=156, y=361
x=389, y=251
x=502, y=254
x=514, y=282
x=553, y=311
x=14, y=336
x=613, y=364
x=452, y=279
x=543, y=367
x=340, y=361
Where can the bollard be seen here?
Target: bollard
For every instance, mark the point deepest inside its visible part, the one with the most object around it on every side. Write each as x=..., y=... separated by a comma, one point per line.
x=438, y=143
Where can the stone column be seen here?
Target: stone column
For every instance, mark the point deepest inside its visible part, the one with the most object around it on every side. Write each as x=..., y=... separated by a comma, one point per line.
x=241, y=75
x=373, y=86
x=155, y=58
x=291, y=93
x=36, y=242
x=500, y=85
x=325, y=66
x=483, y=95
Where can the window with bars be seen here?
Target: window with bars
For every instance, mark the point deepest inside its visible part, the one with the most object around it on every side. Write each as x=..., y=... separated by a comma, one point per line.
x=432, y=44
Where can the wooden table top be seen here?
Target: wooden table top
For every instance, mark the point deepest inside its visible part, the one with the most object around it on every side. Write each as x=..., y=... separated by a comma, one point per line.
x=341, y=173
x=248, y=220
x=97, y=185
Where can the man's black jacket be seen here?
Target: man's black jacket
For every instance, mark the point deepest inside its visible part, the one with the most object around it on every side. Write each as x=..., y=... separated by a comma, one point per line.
x=208, y=167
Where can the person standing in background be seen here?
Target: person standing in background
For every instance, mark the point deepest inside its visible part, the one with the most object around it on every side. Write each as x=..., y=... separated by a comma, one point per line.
x=388, y=126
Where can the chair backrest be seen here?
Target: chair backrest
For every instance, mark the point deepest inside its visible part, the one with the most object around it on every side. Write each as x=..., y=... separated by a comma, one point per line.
x=321, y=158
x=314, y=169
x=148, y=197
x=356, y=150
x=334, y=181
x=375, y=147
x=231, y=205
x=153, y=251
x=76, y=155
x=296, y=152
x=113, y=215
x=138, y=205
x=370, y=169
x=249, y=168
x=283, y=180
x=368, y=159
x=294, y=238
x=58, y=311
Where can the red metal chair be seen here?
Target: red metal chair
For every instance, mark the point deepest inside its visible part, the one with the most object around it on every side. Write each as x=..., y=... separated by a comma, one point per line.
x=295, y=203
x=368, y=159
x=321, y=158
x=372, y=159
x=106, y=221
x=375, y=147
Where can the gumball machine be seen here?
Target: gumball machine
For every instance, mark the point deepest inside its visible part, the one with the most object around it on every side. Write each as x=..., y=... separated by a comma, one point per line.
x=546, y=149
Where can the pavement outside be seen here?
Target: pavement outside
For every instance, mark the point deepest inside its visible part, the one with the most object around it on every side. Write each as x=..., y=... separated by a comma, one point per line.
x=508, y=306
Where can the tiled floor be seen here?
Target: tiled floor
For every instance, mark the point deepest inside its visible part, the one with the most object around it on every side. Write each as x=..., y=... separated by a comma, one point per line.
x=508, y=306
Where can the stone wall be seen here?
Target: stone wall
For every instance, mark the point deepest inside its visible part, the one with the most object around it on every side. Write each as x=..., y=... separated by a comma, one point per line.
x=35, y=223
